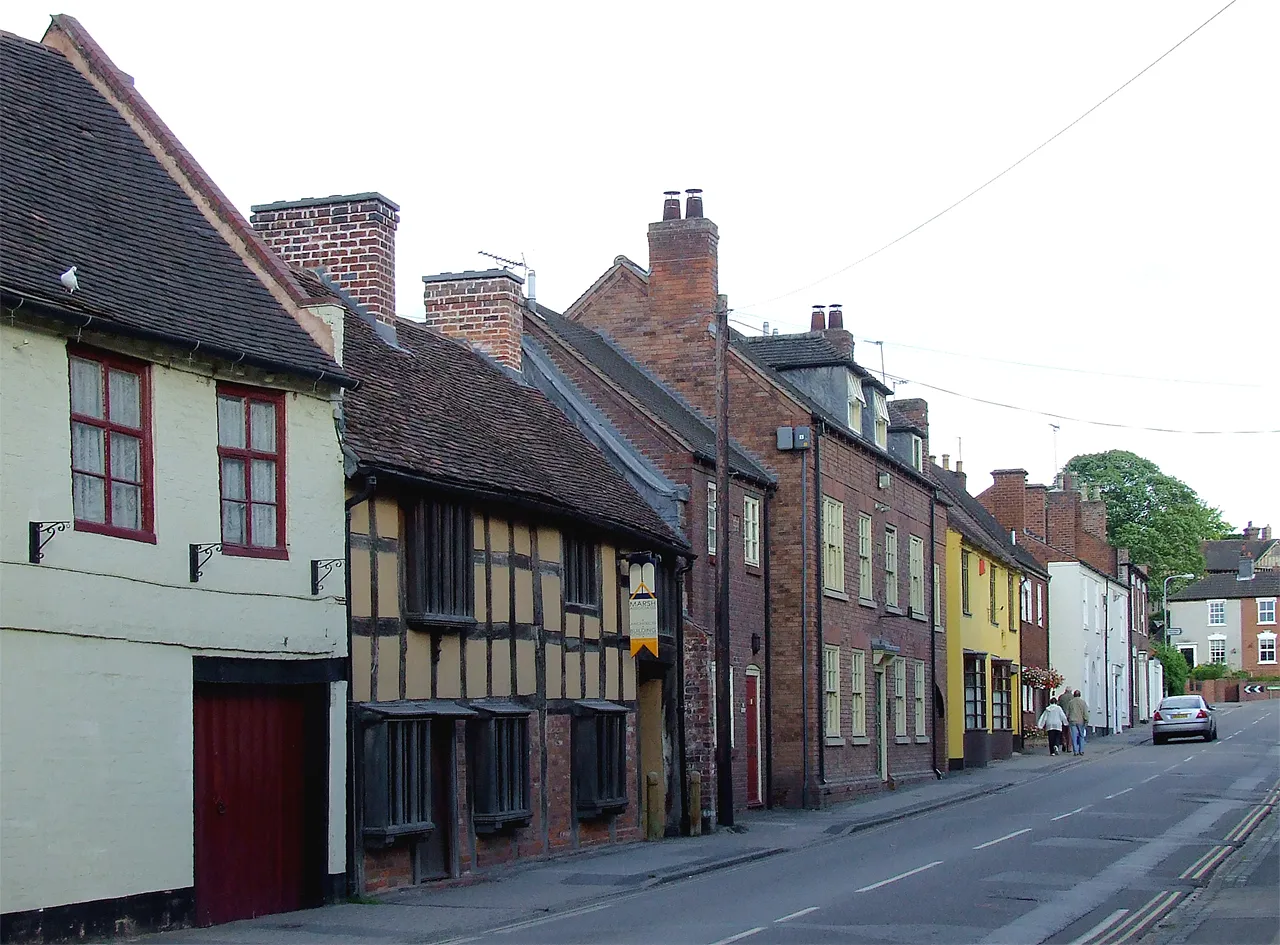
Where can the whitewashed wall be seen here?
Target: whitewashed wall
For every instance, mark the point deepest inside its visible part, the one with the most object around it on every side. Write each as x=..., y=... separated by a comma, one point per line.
x=91, y=589
x=1067, y=624
x=1192, y=616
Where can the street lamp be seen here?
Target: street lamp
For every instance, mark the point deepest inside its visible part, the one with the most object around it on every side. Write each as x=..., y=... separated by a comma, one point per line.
x=1171, y=577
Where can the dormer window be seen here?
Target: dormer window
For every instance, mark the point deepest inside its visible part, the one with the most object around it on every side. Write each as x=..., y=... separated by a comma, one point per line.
x=857, y=403
x=882, y=419
x=917, y=453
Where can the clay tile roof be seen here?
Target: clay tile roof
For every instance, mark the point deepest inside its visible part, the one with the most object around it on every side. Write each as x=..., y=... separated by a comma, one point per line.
x=433, y=409
x=82, y=189
x=1225, y=555
x=1223, y=586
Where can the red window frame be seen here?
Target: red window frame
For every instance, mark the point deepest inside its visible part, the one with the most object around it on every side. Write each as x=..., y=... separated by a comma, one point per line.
x=106, y=361
x=247, y=455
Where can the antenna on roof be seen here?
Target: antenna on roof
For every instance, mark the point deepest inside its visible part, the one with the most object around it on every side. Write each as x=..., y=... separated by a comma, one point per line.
x=531, y=276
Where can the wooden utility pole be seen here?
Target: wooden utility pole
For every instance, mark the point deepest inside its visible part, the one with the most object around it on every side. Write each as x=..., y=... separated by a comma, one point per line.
x=725, y=554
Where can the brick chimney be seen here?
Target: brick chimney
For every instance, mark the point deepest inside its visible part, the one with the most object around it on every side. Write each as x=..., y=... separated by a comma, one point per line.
x=1063, y=513
x=916, y=411
x=353, y=238
x=1035, y=511
x=1250, y=533
x=1093, y=513
x=835, y=331
x=484, y=308
x=962, y=475
x=1007, y=499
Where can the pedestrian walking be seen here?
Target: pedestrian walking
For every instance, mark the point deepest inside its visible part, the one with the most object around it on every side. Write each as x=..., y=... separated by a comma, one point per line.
x=1054, y=721
x=1064, y=700
x=1078, y=717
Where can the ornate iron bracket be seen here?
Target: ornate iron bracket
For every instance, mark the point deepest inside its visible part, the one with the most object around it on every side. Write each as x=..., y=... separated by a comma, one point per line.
x=199, y=557
x=40, y=534
x=321, y=568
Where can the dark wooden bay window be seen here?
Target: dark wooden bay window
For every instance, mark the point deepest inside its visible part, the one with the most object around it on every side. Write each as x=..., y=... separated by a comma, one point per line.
x=397, y=778
x=498, y=743
x=439, y=573
x=581, y=573
x=600, y=758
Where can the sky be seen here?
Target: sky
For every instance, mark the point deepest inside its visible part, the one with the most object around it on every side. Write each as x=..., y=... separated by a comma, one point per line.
x=1125, y=273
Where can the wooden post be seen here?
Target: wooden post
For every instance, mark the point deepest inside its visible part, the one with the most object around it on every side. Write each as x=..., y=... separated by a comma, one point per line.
x=654, y=820
x=695, y=804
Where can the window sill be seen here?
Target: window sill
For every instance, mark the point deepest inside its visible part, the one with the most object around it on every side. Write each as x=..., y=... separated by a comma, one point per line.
x=834, y=741
x=112, y=531
x=896, y=611
x=439, y=622
x=860, y=740
x=389, y=835
x=248, y=551
x=902, y=739
x=833, y=593
x=866, y=602
x=589, y=610
x=600, y=809
x=922, y=739
x=495, y=823
x=917, y=615
x=752, y=568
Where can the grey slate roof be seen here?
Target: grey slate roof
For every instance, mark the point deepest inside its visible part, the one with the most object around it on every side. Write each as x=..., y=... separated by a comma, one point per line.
x=1225, y=555
x=972, y=520
x=795, y=351
x=677, y=413
x=1224, y=586
x=81, y=189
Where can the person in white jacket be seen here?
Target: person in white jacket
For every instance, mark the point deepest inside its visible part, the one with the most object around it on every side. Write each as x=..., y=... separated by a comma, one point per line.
x=1053, y=720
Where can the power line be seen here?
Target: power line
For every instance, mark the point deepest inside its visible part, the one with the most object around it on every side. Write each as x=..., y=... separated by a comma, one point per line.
x=1095, y=423
x=981, y=187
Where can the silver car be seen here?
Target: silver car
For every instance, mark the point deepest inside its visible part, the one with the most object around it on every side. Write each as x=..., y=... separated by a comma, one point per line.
x=1183, y=717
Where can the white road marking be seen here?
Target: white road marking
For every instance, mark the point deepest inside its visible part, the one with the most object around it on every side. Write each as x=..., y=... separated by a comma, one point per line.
x=796, y=915
x=1008, y=836
x=542, y=920
x=1070, y=812
x=1188, y=758
x=1118, y=793
x=894, y=879
x=1231, y=736
x=740, y=935
x=1101, y=927
x=1152, y=778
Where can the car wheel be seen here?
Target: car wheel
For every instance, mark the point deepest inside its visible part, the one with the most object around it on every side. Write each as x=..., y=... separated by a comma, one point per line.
x=1157, y=739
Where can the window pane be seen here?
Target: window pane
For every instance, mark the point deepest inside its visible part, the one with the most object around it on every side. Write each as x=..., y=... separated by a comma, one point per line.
x=126, y=398
x=264, y=481
x=86, y=387
x=264, y=526
x=126, y=458
x=231, y=421
x=262, y=426
x=86, y=448
x=233, y=523
x=233, y=479
x=126, y=505
x=87, y=495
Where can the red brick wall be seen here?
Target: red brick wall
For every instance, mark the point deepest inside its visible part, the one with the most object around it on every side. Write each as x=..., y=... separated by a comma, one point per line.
x=485, y=309
x=1249, y=630
x=1006, y=499
x=352, y=238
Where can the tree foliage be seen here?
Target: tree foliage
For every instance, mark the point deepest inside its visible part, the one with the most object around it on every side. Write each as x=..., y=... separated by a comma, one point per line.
x=1175, y=666
x=1158, y=517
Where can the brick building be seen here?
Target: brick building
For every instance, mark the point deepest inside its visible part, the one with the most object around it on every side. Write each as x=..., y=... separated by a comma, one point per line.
x=853, y=703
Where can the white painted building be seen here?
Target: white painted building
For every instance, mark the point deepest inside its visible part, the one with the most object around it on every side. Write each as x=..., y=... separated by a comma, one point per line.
x=172, y=692
x=1089, y=645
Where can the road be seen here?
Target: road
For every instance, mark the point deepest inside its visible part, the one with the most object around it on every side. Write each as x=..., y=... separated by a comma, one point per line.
x=1093, y=854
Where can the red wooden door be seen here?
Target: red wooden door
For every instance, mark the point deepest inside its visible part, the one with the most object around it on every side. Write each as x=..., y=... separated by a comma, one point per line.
x=753, y=739
x=254, y=752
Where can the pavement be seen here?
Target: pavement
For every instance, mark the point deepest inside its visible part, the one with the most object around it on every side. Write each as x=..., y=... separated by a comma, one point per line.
x=576, y=882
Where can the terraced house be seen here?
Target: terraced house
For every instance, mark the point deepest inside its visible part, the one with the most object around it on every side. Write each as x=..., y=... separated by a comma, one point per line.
x=503, y=575
x=173, y=697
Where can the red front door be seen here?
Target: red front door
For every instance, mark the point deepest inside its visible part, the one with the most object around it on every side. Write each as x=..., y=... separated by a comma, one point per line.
x=753, y=740
x=259, y=816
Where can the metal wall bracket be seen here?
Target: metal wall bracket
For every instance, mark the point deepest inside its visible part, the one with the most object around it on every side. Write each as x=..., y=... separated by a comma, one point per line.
x=199, y=557
x=321, y=568
x=40, y=534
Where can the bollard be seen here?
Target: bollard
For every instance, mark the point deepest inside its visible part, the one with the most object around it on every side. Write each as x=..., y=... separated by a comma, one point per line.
x=695, y=804
x=653, y=809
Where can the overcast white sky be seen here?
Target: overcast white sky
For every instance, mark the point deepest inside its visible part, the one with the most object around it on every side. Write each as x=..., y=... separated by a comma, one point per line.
x=1141, y=242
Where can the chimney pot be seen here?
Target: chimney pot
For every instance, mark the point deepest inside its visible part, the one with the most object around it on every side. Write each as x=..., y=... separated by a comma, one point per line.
x=818, y=320
x=671, y=205
x=836, y=317
x=693, y=204
x=946, y=460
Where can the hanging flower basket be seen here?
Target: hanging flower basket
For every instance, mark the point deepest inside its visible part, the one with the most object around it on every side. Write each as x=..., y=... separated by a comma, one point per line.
x=1039, y=678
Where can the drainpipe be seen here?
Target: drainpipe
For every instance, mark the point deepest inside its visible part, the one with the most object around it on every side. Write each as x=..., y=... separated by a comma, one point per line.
x=355, y=871
x=768, y=664
x=933, y=642
x=804, y=628
x=686, y=824
x=817, y=546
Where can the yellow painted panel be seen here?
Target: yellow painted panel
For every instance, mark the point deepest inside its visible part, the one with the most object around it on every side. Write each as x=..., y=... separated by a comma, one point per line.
x=572, y=624
x=501, y=668
x=628, y=676
x=417, y=679
x=361, y=667
x=526, y=668
x=359, y=517
x=523, y=545
x=609, y=603
x=388, y=584
x=611, y=673
x=361, y=586
x=480, y=594
x=388, y=669
x=524, y=596
x=591, y=627
x=388, y=513
x=549, y=544
x=477, y=669
x=551, y=602
x=477, y=530
x=555, y=681
x=449, y=669
x=501, y=595
x=593, y=674
x=573, y=674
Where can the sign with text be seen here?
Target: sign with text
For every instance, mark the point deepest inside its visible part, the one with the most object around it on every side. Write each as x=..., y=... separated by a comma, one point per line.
x=643, y=609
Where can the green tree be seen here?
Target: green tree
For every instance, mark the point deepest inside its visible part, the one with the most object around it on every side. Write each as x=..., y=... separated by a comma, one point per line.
x=1158, y=517
x=1175, y=666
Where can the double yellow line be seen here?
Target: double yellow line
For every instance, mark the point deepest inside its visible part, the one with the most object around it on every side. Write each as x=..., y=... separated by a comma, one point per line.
x=1246, y=825
x=1122, y=926
x=1207, y=863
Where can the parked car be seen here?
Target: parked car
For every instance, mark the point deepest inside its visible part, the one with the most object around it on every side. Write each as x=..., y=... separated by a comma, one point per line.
x=1183, y=717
